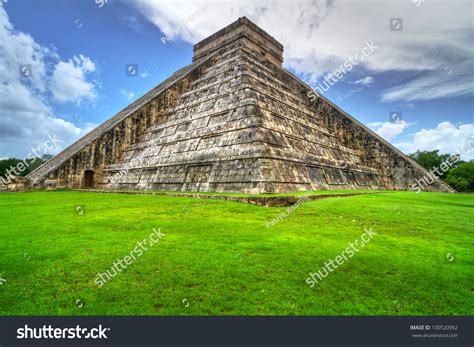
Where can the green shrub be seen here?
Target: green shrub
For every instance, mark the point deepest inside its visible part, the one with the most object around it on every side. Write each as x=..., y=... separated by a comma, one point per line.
x=461, y=178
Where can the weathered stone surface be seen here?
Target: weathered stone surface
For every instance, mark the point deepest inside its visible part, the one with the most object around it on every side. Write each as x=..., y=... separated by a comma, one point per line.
x=233, y=121
x=17, y=184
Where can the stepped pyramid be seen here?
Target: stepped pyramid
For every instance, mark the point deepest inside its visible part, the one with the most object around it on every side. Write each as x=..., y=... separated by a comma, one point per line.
x=232, y=121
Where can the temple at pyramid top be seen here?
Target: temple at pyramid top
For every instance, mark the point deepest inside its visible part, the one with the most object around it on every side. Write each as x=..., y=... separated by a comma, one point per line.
x=252, y=36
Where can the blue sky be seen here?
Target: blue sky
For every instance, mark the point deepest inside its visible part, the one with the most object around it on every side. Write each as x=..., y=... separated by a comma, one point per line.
x=78, y=51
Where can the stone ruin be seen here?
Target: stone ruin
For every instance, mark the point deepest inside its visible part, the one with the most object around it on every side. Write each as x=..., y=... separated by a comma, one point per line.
x=232, y=121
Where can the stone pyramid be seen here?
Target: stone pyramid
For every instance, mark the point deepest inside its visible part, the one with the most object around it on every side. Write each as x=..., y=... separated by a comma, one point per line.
x=232, y=121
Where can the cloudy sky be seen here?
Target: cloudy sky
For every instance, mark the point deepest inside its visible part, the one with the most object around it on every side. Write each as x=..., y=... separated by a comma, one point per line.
x=63, y=63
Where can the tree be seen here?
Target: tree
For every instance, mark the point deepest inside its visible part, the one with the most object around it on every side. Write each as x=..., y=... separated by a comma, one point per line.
x=458, y=183
x=432, y=159
x=12, y=163
x=461, y=178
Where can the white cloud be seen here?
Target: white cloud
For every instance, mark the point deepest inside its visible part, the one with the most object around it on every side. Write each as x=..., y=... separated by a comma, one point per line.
x=68, y=83
x=446, y=137
x=366, y=81
x=450, y=82
x=128, y=95
x=133, y=22
x=320, y=35
x=26, y=118
x=389, y=130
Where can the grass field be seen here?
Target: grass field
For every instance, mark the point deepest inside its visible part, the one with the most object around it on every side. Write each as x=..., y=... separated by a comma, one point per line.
x=218, y=258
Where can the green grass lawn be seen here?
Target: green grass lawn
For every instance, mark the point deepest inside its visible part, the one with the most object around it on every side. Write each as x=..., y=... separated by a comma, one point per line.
x=312, y=192
x=218, y=258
